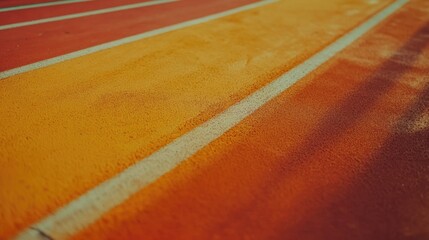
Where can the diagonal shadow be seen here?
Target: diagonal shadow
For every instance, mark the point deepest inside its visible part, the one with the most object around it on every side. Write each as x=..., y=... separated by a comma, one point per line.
x=391, y=199
x=337, y=121
x=354, y=107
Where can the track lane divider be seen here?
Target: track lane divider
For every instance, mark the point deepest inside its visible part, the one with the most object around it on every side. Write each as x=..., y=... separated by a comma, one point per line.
x=37, y=5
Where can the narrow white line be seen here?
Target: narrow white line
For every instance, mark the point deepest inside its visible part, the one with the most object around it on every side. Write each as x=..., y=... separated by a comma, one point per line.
x=37, y=5
x=92, y=205
x=85, y=14
x=86, y=51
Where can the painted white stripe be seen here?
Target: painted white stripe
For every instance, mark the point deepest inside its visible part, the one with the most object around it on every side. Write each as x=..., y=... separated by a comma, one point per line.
x=92, y=205
x=37, y=5
x=85, y=14
x=86, y=51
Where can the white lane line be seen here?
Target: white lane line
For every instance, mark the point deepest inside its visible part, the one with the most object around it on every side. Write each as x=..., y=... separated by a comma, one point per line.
x=85, y=14
x=86, y=51
x=86, y=209
x=37, y=5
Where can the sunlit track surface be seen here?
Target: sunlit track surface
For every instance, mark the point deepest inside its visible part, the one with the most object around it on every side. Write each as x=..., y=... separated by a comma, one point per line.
x=235, y=120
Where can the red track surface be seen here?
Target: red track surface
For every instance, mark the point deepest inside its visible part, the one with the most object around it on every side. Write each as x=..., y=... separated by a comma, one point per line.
x=13, y=3
x=60, y=10
x=30, y=44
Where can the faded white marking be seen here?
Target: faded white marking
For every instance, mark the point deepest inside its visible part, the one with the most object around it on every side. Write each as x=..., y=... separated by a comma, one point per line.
x=352, y=12
x=372, y=2
x=85, y=14
x=37, y=5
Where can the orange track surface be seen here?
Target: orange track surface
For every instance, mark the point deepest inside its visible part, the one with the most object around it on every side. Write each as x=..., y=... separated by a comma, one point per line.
x=343, y=154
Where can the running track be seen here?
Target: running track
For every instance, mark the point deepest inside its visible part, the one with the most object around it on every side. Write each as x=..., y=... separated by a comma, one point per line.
x=216, y=119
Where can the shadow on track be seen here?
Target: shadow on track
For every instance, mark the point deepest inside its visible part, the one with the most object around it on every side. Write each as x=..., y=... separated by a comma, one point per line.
x=405, y=155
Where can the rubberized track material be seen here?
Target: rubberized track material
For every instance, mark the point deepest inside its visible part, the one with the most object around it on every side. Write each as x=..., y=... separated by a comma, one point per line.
x=25, y=41
x=340, y=154
x=38, y=5
x=84, y=14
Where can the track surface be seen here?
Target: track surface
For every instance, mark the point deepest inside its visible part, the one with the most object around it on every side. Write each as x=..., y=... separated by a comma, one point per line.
x=342, y=154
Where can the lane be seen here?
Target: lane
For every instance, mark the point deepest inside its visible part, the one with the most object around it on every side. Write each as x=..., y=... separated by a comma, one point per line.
x=338, y=156
x=31, y=44
x=38, y=5
x=90, y=118
x=59, y=10
x=84, y=14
